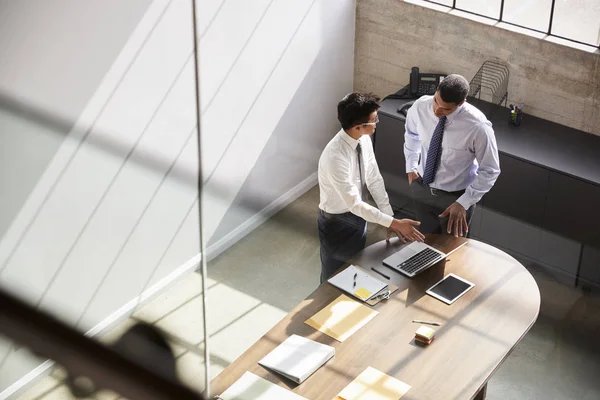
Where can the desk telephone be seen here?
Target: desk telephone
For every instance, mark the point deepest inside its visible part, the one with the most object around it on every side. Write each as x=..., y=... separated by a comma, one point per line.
x=420, y=85
x=423, y=84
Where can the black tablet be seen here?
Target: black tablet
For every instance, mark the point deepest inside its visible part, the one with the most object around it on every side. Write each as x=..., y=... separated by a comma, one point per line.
x=450, y=288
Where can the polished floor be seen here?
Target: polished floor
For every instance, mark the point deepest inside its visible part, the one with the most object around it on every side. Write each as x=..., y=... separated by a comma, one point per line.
x=257, y=281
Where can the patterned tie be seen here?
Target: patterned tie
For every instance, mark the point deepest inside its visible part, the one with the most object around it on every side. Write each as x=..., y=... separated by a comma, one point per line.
x=360, y=171
x=434, y=153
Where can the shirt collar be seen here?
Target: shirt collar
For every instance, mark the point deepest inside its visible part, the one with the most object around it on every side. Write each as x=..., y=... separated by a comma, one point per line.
x=449, y=117
x=348, y=139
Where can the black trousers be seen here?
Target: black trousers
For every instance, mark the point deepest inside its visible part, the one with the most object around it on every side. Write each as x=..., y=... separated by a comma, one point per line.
x=430, y=203
x=341, y=236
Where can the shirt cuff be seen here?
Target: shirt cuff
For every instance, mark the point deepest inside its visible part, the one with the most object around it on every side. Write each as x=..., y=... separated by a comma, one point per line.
x=465, y=201
x=386, y=220
x=412, y=167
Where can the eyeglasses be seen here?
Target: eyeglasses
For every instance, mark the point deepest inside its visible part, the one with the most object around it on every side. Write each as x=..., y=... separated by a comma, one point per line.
x=372, y=123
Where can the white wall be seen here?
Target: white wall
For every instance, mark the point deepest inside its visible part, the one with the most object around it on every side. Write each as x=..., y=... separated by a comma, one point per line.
x=114, y=215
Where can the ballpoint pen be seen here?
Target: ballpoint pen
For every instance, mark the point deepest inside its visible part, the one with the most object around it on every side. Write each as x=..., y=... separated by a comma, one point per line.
x=418, y=321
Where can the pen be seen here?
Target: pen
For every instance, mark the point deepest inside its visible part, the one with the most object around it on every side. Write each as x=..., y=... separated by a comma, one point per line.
x=418, y=321
x=381, y=273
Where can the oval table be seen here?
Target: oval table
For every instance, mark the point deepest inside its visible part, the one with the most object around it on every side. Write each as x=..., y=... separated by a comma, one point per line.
x=477, y=334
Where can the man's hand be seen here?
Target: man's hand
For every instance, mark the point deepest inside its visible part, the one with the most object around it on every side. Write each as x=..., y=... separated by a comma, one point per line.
x=412, y=176
x=405, y=230
x=457, y=220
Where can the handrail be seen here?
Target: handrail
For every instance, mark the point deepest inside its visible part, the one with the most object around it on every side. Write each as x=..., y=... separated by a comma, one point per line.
x=81, y=356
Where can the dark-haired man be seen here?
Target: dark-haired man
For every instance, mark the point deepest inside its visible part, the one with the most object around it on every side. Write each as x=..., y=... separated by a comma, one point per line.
x=347, y=169
x=451, y=157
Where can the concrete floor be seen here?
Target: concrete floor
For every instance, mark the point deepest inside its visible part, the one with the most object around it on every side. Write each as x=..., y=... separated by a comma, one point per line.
x=257, y=281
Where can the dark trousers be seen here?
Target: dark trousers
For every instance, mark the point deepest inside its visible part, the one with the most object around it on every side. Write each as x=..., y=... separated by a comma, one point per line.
x=430, y=203
x=341, y=236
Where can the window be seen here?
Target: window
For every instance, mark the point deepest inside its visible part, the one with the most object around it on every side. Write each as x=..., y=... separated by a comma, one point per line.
x=574, y=20
x=529, y=14
x=577, y=21
x=487, y=8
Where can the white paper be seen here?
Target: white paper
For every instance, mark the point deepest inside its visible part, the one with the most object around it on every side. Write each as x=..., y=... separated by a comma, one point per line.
x=252, y=387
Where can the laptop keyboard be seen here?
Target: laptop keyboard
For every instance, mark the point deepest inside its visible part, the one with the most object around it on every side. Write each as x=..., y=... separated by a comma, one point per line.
x=418, y=261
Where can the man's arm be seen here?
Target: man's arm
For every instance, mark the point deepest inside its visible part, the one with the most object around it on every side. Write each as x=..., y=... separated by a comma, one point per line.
x=412, y=142
x=486, y=153
x=342, y=181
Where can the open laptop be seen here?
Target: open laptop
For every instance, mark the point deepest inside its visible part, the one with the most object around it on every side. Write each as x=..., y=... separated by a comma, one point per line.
x=414, y=258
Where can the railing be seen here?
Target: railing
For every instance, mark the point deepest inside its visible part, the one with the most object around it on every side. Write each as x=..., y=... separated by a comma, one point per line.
x=132, y=374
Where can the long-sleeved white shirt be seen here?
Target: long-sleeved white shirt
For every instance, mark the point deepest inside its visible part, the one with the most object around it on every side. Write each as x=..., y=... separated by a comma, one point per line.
x=339, y=180
x=469, y=158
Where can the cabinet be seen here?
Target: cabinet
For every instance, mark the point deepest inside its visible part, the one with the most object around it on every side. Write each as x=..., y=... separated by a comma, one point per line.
x=573, y=209
x=520, y=190
x=389, y=152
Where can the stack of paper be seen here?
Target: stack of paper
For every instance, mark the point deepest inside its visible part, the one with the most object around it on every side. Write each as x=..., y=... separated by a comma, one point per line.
x=252, y=387
x=297, y=358
x=373, y=385
x=425, y=335
x=342, y=318
x=357, y=282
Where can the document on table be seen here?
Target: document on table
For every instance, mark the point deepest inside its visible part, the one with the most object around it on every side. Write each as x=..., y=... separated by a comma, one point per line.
x=373, y=384
x=341, y=318
x=358, y=282
x=297, y=358
x=252, y=387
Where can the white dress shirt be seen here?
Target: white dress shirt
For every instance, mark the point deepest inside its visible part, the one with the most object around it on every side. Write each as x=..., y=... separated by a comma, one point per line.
x=339, y=180
x=469, y=159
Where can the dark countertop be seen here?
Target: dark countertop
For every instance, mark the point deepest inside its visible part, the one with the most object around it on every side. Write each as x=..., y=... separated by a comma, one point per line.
x=548, y=144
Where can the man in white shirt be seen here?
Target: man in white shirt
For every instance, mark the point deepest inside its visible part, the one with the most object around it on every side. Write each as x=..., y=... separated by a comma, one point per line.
x=347, y=169
x=451, y=157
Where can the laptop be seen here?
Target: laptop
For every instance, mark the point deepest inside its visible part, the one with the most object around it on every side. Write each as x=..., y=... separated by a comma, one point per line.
x=414, y=258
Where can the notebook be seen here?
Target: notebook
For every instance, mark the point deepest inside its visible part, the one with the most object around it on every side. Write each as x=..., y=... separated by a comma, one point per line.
x=341, y=318
x=358, y=282
x=297, y=358
x=252, y=387
x=373, y=384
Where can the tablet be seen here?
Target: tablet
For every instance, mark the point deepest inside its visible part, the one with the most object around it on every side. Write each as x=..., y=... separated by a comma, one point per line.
x=450, y=288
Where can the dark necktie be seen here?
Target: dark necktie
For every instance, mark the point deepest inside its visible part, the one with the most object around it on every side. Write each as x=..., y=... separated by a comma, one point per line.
x=434, y=153
x=360, y=171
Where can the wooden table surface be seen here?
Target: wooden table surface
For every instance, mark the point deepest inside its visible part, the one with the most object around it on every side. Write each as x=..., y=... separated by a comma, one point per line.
x=477, y=334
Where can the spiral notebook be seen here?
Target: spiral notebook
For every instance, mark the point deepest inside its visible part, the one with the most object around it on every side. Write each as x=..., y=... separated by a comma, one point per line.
x=358, y=282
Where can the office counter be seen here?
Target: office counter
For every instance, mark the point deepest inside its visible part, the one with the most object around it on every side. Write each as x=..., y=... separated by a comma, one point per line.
x=544, y=206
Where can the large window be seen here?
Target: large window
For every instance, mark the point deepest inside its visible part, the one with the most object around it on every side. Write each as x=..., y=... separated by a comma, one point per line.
x=574, y=20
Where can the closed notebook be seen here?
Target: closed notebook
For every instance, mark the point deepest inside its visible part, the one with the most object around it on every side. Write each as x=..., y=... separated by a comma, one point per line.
x=297, y=358
x=373, y=384
x=252, y=387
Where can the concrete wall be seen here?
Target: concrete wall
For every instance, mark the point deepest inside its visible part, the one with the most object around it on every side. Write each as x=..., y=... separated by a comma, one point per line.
x=110, y=217
x=556, y=82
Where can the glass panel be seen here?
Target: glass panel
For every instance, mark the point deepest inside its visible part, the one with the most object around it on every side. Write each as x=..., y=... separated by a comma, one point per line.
x=534, y=14
x=448, y=3
x=488, y=8
x=578, y=20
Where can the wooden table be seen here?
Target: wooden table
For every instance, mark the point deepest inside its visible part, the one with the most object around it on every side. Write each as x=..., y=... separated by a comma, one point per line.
x=478, y=331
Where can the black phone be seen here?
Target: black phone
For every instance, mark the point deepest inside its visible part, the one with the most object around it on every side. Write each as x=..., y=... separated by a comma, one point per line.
x=423, y=84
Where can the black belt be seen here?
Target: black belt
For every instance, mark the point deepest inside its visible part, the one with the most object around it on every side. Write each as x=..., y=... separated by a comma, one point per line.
x=437, y=192
x=325, y=213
